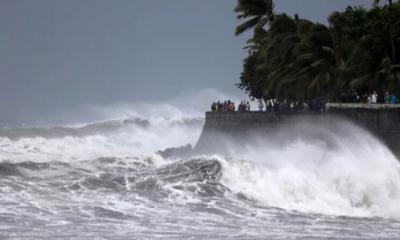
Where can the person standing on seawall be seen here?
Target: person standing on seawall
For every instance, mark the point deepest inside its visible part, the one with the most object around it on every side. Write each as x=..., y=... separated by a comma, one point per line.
x=374, y=97
x=248, y=106
x=387, y=97
x=260, y=106
x=393, y=99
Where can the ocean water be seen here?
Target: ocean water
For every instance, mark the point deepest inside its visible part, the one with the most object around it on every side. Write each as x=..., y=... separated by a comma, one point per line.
x=104, y=180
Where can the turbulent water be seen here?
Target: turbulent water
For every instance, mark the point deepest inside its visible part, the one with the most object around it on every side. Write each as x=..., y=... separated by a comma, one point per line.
x=105, y=180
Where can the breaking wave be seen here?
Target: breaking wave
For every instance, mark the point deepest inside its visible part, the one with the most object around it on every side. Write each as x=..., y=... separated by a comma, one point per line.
x=334, y=170
x=126, y=137
x=346, y=172
x=108, y=171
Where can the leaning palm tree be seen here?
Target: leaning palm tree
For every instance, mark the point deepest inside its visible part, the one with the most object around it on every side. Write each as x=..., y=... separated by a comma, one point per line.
x=256, y=12
x=376, y=3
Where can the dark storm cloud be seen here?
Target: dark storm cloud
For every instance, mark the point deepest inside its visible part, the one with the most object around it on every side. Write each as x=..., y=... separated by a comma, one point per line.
x=57, y=55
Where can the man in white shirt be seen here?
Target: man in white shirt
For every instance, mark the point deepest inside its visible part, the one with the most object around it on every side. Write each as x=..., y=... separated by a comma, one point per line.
x=374, y=97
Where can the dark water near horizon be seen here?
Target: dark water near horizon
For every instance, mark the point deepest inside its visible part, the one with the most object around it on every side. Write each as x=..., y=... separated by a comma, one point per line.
x=104, y=181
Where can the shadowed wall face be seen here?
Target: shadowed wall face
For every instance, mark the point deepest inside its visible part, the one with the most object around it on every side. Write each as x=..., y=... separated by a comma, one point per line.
x=246, y=127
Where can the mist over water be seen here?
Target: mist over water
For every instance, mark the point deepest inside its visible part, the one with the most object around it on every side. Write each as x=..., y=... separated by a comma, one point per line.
x=337, y=169
x=104, y=179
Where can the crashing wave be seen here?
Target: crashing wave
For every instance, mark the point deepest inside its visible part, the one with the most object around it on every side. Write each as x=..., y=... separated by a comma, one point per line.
x=336, y=170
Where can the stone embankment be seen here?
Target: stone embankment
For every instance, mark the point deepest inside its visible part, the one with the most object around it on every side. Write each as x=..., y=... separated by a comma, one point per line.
x=382, y=120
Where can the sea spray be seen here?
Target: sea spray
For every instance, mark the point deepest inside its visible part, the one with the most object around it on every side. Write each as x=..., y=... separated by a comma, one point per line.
x=105, y=180
x=336, y=170
x=126, y=138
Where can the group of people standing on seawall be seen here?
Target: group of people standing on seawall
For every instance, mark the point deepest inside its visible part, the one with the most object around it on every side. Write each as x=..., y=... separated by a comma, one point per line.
x=370, y=98
x=229, y=106
x=317, y=104
x=271, y=105
x=390, y=98
x=277, y=105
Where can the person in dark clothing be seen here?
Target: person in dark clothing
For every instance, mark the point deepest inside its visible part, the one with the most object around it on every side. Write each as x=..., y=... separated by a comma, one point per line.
x=269, y=106
x=214, y=107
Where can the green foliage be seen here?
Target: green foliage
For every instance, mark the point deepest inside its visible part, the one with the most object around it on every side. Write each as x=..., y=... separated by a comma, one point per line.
x=260, y=13
x=297, y=58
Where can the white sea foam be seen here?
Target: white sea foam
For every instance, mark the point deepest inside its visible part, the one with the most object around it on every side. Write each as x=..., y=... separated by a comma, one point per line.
x=131, y=140
x=335, y=170
x=346, y=172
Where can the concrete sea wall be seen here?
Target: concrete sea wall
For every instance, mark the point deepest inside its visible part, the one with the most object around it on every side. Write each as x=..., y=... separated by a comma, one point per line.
x=382, y=120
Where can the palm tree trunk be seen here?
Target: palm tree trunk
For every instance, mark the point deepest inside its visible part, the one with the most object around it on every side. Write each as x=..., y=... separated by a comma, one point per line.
x=392, y=41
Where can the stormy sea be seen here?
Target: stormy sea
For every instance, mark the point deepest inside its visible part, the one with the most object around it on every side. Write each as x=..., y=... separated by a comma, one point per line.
x=113, y=179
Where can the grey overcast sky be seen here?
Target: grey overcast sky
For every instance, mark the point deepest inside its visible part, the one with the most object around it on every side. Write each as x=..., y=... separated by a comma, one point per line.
x=60, y=54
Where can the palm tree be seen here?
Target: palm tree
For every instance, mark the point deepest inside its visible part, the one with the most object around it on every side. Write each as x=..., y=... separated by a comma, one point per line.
x=391, y=19
x=258, y=13
x=389, y=73
x=297, y=58
x=258, y=40
x=293, y=59
x=312, y=68
x=376, y=3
